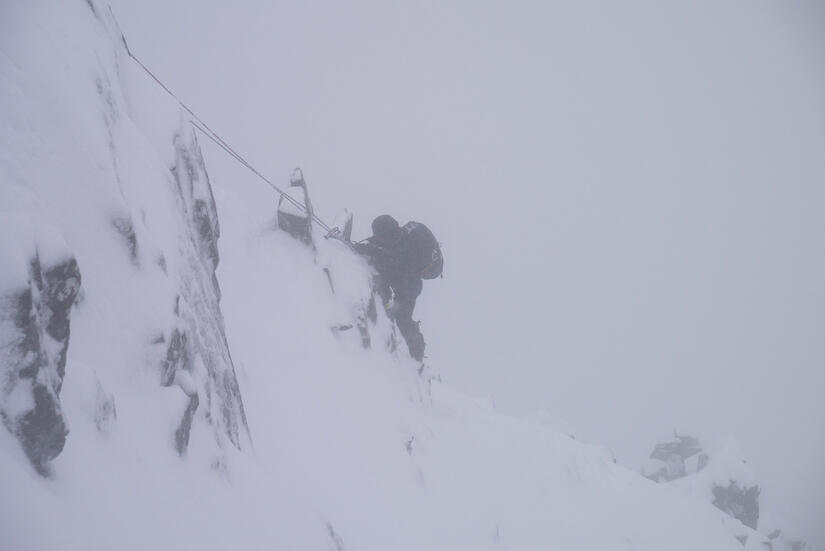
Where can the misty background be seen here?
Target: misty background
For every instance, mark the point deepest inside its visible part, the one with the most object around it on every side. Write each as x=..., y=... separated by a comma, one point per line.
x=643, y=181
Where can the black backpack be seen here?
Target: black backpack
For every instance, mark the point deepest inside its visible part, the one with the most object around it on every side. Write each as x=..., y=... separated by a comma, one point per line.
x=427, y=260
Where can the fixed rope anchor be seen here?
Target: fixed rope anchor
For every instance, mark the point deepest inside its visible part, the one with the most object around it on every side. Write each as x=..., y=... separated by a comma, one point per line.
x=204, y=128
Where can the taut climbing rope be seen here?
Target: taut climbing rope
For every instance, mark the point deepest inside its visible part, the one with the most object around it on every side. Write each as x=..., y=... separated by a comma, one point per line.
x=204, y=128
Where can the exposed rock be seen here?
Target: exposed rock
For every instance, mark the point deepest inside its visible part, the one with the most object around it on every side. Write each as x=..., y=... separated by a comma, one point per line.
x=197, y=356
x=185, y=427
x=126, y=229
x=725, y=479
x=335, y=538
x=33, y=343
x=162, y=264
x=206, y=224
x=105, y=411
x=363, y=317
x=177, y=357
x=739, y=502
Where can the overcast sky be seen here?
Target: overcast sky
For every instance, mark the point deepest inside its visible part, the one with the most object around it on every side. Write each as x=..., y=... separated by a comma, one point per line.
x=630, y=196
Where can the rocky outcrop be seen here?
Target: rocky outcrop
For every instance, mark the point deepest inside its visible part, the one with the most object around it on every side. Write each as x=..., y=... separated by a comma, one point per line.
x=115, y=170
x=34, y=338
x=728, y=479
x=740, y=502
x=197, y=356
x=725, y=479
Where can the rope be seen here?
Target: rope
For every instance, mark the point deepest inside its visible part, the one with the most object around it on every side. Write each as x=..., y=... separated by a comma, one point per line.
x=215, y=137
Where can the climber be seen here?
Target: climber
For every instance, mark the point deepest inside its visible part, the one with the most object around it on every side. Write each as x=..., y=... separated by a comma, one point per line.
x=295, y=220
x=402, y=256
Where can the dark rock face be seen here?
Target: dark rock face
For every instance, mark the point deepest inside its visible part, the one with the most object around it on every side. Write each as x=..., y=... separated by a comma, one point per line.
x=205, y=220
x=335, y=538
x=363, y=320
x=185, y=427
x=105, y=410
x=126, y=230
x=739, y=502
x=197, y=355
x=177, y=357
x=33, y=358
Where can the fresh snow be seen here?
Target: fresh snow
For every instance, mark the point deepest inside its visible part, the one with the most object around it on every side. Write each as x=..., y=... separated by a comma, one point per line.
x=349, y=448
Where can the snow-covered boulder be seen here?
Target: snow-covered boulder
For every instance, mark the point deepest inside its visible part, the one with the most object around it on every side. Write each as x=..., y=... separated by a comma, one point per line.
x=38, y=286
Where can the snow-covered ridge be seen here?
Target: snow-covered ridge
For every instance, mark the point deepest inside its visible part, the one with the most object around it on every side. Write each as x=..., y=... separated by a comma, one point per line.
x=185, y=340
x=130, y=206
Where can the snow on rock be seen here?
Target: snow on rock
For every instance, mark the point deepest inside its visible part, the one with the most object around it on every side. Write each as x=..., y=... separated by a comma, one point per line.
x=36, y=297
x=198, y=357
x=89, y=146
x=724, y=478
x=354, y=447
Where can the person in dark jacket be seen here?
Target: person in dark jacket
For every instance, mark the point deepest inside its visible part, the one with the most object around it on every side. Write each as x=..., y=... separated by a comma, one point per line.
x=396, y=252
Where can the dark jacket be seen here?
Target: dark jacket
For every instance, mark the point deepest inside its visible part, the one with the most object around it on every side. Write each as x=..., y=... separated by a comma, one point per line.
x=398, y=267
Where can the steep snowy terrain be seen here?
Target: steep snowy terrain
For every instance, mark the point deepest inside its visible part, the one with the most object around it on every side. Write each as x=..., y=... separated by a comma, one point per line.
x=170, y=379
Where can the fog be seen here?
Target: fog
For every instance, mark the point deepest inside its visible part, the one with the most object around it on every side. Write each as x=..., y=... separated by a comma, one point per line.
x=642, y=181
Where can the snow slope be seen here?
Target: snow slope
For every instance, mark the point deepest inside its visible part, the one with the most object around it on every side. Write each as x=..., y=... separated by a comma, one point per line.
x=332, y=446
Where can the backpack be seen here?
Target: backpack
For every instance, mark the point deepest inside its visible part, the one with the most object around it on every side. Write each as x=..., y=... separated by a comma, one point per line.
x=427, y=262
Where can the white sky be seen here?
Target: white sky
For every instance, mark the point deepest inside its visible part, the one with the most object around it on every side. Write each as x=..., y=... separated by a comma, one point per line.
x=631, y=196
